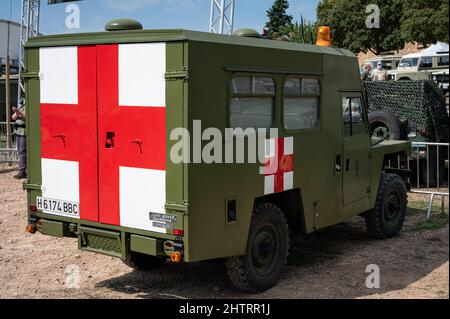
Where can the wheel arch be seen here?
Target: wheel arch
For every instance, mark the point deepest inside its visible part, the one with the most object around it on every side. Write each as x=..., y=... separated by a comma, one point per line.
x=291, y=204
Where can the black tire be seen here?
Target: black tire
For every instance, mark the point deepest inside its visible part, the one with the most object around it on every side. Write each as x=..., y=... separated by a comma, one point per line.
x=266, y=252
x=382, y=120
x=387, y=218
x=143, y=262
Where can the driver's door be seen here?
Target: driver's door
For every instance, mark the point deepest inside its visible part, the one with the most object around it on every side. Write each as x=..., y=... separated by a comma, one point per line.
x=356, y=146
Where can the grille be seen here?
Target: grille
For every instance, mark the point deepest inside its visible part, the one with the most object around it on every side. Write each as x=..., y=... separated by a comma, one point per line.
x=102, y=243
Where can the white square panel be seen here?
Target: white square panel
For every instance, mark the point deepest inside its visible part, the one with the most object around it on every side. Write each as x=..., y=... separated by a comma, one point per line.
x=142, y=191
x=289, y=146
x=60, y=180
x=59, y=75
x=142, y=68
x=269, y=184
x=288, y=181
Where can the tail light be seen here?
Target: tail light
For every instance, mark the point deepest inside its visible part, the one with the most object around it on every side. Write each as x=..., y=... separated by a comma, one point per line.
x=178, y=232
x=33, y=208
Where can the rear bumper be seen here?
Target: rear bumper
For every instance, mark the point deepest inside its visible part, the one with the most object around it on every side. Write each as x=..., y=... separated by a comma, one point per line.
x=108, y=240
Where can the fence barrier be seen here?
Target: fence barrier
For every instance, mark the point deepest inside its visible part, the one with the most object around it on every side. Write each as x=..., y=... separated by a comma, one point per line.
x=7, y=155
x=429, y=162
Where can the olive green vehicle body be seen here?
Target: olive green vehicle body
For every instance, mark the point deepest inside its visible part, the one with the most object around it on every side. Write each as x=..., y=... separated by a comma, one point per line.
x=200, y=67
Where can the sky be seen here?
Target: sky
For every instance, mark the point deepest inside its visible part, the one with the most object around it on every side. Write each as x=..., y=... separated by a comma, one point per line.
x=155, y=14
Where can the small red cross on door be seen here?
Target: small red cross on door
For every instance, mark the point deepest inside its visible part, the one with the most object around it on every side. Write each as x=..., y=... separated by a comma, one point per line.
x=279, y=165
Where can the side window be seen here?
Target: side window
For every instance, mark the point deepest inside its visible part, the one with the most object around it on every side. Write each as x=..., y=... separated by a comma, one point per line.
x=353, y=115
x=443, y=60
x=251, y=103
x=426, y=62
x=301, y=103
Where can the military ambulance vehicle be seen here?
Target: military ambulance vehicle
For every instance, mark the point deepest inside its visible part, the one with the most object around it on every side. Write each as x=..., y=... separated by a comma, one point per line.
x=103, y=106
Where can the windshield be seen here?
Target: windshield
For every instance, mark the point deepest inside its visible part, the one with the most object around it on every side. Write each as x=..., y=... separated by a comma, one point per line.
x=408, y=62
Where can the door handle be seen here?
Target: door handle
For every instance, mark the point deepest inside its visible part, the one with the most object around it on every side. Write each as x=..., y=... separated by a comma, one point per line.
x=338, y=163
x=139, y=143
x=62, y=137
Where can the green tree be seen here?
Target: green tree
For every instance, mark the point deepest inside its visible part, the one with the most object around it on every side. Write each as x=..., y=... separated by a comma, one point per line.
x=278, y=17
x=425, y=21
x=301, y=34
x=347, y=20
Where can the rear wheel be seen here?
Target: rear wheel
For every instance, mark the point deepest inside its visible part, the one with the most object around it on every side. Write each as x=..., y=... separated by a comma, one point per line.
x=143, y=262
x=266, y=252
x=387, y=218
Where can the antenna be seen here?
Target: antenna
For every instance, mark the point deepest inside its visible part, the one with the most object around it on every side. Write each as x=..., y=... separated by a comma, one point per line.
x=302, y=29
x=222, y=16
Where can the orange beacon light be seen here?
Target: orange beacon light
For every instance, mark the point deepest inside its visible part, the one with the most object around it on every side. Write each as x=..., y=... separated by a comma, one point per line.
x=324, y=37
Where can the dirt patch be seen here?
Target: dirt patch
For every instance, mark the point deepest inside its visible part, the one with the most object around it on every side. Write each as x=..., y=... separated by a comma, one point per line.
x=328, y=264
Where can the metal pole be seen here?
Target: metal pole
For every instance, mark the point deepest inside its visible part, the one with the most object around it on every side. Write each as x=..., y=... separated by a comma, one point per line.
x=222, y=18
x=8, y=84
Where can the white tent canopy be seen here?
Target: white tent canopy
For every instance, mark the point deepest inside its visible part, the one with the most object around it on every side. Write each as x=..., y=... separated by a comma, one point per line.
x=438, y=47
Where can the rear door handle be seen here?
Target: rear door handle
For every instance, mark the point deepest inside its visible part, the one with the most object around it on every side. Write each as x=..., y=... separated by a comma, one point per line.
x=139, y=143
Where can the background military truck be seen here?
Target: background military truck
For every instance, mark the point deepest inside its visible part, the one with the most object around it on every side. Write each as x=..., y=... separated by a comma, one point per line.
x=389, y=61
x=415, y=111
x=424, y=66
x=102, y=107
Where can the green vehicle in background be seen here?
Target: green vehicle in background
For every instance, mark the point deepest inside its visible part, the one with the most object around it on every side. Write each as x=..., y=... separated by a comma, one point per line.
x=102, y=110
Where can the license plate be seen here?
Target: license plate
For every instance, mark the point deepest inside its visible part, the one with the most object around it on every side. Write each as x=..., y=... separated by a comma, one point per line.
x=58, y=207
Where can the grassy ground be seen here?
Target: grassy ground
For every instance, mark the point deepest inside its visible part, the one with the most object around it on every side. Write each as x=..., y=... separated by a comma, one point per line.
x=438, y=218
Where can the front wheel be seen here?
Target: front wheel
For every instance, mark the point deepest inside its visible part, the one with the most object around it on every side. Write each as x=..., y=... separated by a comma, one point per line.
x=266, y=252
x=387, y=218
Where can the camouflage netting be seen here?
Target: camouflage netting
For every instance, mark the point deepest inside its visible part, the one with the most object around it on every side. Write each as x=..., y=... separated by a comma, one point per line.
x=419, y=102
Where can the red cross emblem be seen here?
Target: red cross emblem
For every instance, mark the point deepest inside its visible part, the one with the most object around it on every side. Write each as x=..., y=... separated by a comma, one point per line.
x=279, y=165
x=102, y=135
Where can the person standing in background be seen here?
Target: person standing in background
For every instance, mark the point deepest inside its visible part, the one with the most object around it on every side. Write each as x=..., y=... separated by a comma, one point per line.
x=366, y=74
x=21, y=140
x=379, y=74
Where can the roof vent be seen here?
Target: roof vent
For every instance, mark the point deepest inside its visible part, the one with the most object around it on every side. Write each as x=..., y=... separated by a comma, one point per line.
x=123, y=24
x=249, y=33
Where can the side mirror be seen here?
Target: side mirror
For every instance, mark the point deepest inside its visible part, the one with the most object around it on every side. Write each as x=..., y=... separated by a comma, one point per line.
x=412, y=130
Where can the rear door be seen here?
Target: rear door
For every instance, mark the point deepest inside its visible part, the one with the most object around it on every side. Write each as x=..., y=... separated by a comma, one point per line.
x=132, y=133
x=103, y=128
x=68, y=108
